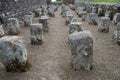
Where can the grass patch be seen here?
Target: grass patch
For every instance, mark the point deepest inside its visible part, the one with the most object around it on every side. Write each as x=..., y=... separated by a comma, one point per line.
x=104, y=0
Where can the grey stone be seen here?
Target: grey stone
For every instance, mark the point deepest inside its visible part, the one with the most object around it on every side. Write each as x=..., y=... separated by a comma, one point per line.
x=104, y=24
x=28, y=20
x=93, y=18
x=13, y=27
x=116, y=34
x=116, y=18
x=69, y=17
x=81, y=44
x=1, y=31
x=13, y=54
x=51, y=11
x=75, y=25
x=36, y=31
x=38, y=12
x=44, y=21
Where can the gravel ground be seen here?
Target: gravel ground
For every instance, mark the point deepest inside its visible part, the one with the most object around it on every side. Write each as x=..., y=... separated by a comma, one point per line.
x=52, y=60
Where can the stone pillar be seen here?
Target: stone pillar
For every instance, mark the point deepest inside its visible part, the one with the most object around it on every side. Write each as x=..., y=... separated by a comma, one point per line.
x=116, y=34
x=75, y=25
x=13, y=27
x=44, y=21
x=81, y=44
x=104, y=24
x=93, y=18
x=28, y=20
x=36, y=31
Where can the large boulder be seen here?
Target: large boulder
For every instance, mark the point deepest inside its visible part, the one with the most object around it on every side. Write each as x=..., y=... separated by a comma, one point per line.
x=28, y=20
x=104, y=24
x=1, y=31
x=81, y=44
x=13, y=27
x=13, y=54
x=44, y=21
x=36, y=31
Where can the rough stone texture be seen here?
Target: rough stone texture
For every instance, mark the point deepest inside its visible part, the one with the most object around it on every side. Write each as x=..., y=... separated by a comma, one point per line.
x=94, y=10
x=36, y=31
x=69, y=17
x=13, y=54
x=1, y=31
x=75, y=25
x=64, y=10
x=81, y=44
x=104, y=24
x=44, y=21
x=13, y=27
x=116, y=34
x=101, y=12
x=84, y=16
x=51, y=11
x=28, y=20
x=93, y=18
x=44, y=9
x=116, y=18
x=38, y=12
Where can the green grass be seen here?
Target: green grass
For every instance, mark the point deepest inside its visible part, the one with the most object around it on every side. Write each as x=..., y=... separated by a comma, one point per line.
x=104, y=0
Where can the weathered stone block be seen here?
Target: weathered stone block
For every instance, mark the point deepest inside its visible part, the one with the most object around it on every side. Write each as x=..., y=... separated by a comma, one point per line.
x=116, y=34
x=36, y=31
x=116, y=18
x=75, y=25
x=104, y=24
x=38, y=12
x=28, y=20
x=93, y=18
x=13, y=27
x=44, y=21
x=1, y=31
x=13, y=54
x=81, y=44
x=51, y=12
x=69, y=17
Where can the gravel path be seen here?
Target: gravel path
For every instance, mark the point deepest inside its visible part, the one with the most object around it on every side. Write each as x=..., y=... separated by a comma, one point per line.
x=52, y=60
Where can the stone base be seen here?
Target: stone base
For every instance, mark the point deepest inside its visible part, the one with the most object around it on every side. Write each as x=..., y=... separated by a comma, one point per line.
x=37, y=43
x=16, y=66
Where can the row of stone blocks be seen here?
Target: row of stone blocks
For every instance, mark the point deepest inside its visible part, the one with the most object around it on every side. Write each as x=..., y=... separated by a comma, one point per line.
x=80, y=41
x=13, y=52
